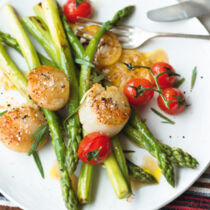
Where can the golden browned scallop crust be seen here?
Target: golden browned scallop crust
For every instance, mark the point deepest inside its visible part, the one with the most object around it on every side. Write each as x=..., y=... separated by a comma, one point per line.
x=48, y=87
x=110, y=106
x=17, y=125
x=104, y=110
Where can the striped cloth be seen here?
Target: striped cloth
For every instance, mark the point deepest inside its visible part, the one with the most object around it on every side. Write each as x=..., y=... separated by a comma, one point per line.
x=196, y=198
x=5, y=202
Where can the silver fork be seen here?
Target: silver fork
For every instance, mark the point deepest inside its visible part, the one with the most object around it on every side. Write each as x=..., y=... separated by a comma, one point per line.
x=134, y=37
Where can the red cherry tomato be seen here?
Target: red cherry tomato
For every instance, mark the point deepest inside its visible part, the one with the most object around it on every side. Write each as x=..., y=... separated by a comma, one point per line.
x=94, y=148
x=72, y=11
x=172, y=94
x=136, y=91
x=164, y=80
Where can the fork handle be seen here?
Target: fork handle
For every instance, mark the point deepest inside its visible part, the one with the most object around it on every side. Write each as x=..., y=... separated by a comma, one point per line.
x=179, y=35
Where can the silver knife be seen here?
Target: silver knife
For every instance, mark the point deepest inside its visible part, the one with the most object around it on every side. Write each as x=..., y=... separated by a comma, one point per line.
x=184, y=10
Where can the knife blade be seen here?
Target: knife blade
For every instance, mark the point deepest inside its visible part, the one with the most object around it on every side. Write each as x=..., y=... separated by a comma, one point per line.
x=180, y=11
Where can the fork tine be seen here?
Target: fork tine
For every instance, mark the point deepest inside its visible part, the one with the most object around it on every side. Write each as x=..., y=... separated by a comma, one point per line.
x=90, y=20
x=126, y=46
x=123, y=33
x=81, y=24
x=120, y=32
x=84, y=34
x=123, y=27
x=123, y=39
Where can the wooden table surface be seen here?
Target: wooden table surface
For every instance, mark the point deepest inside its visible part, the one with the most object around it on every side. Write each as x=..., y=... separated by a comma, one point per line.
x=8, y=208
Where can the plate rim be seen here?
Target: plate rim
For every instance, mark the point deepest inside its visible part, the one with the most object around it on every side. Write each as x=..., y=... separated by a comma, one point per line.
x=10, y=198
x=185, y=188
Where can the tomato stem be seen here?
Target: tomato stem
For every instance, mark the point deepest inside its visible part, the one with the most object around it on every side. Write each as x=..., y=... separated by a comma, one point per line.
x=78, y=2
x=93, y=155
x=140, y=90
x=155, y=77
x=181, y=101
x=169, y=71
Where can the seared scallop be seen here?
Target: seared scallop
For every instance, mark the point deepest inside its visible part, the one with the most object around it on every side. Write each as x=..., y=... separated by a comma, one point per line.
x=17, y=126
x=104, y=110
x=48, y=87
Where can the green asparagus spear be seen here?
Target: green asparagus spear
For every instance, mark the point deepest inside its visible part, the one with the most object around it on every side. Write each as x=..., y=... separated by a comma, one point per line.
x=85, y=182
x=93, y=44
x=65, y=60
x=55, y=130
x=20, y=82
x=65, y=63
x=12, y=72
x=85, y=85
x=153, y=147
x=73, y=40
x=118, y=182
x=77, y=46
x=138, y=174
x=41, y=32
x=22, y=38
x=86, y=174
x=120, y=157
x=46, y=61
x=60, y=151
x=10, y=41
x=176, y=155
x=39, y=11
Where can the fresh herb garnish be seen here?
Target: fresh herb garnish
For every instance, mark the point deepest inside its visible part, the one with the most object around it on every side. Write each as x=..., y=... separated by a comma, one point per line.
x=40, y=134
x=167, y=120
x=38, y=163
x=84, y=62
x=193, y=78
x=36, y=132
x=2, y=113
x=179, y=83
x=128, y=151
x=98, y=78
x=93, y=155
x=71, y=115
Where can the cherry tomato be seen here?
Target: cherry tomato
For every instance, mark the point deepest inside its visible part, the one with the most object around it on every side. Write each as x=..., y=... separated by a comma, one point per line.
x=172, y=94
x=94, y=148
x=164, y=80
x=72, y=11
x=137, y=91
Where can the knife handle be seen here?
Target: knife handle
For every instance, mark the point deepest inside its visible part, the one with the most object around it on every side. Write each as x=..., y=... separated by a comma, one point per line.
x=191, y=36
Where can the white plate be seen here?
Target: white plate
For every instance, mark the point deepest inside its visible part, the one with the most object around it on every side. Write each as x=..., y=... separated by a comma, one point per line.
x=19, y=177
